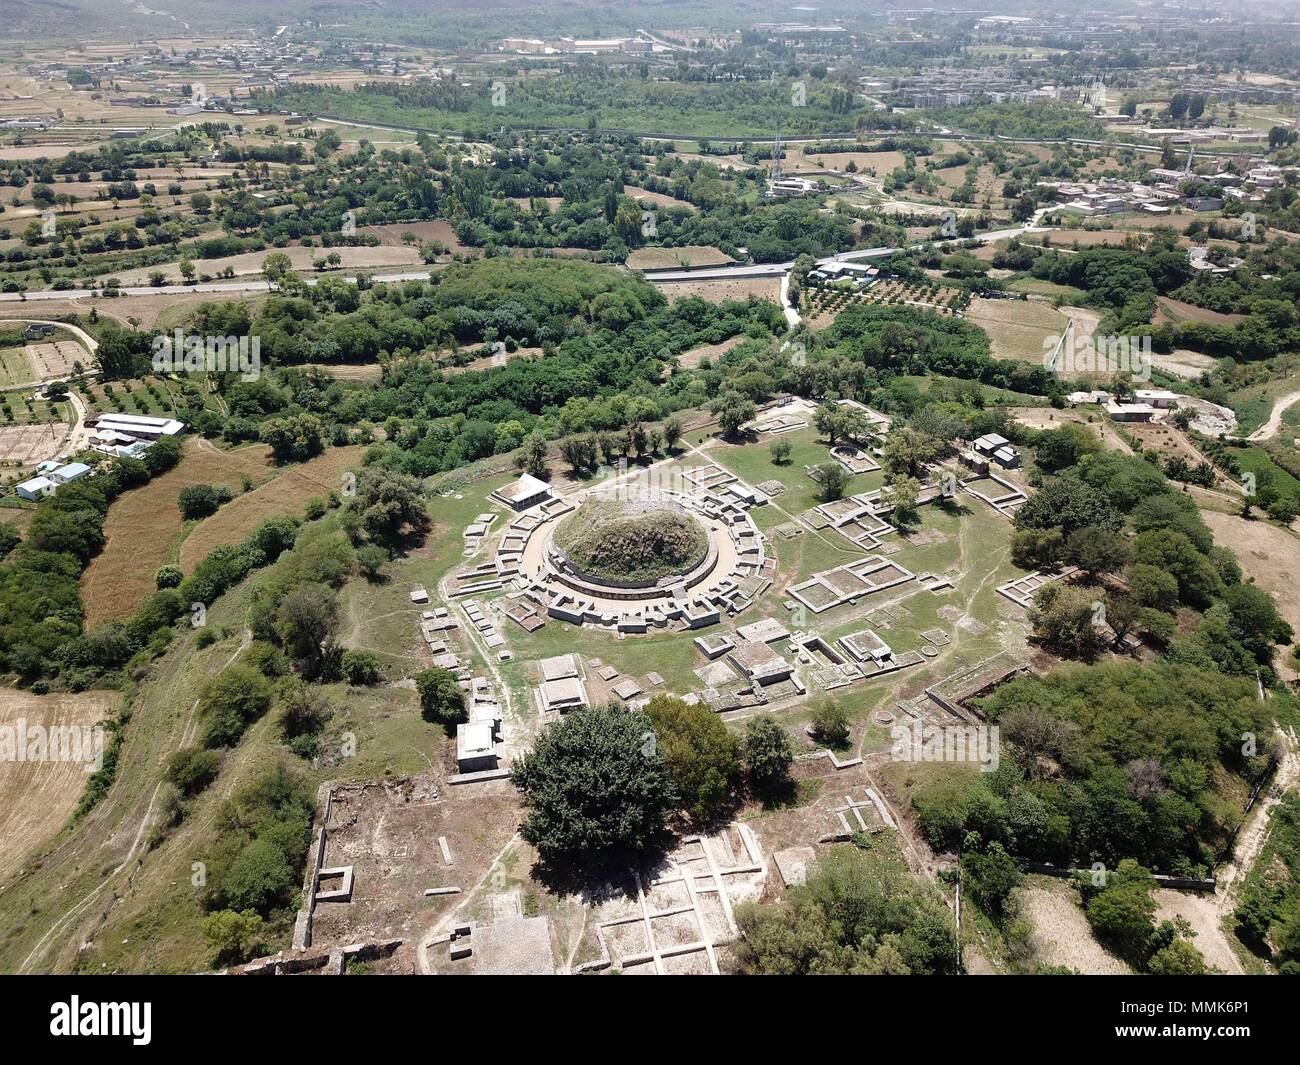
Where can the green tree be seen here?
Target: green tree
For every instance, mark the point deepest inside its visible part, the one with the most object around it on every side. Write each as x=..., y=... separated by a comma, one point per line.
x=831, y=723
x=232, y=937
x=768, y=755
x=901, y=495
x=1066, y=619
x=192, y=769
x=596, y=789
x=389, y=505
x=305, y=620
x=441, y=699
x=672, y=433
x=1178, y=958
x=990, y=874
x=294, y=437
x=9, y=538
x=732, y=410
x=833, y=479
x=277, y=268
x=702, y=757
x=535, y=453
x=361, y=668
x=1122, y=913
x=230, y=702
x=860, y=913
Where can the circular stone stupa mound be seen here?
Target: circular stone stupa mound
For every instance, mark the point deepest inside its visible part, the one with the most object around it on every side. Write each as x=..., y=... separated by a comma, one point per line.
x=638, y=542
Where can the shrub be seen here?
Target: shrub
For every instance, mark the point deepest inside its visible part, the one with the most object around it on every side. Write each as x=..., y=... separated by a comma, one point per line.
x=230, y=701
x=831, y=723
x=361, y=668
x=267, y=659
x=201, y=500
x=233, y=937
x=192, y=769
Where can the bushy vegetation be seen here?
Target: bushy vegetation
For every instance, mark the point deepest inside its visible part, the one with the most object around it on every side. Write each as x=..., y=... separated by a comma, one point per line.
x=1267, y=918
x=860, y=913
x=257, y=864
x=1110, y=761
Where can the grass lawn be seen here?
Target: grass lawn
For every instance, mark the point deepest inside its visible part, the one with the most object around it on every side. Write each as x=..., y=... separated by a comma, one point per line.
x=1260, y=463
x=1069, y=293
x=14, y=368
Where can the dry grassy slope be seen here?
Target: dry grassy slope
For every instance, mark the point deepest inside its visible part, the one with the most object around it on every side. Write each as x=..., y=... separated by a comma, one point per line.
x=100, y=883
x=36, y=798
x=284, y=494
x=144, y=523
x=53, y=904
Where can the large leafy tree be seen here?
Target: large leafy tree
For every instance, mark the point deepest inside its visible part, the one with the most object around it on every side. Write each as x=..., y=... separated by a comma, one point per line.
x=389, y=505
x=596, y=788
x=701, y=755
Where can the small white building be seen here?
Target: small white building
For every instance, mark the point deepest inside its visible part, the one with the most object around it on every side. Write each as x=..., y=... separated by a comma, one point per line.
x=524, y=493
x=1156, y=397
x=1130, y=412
x=73, y=471
x=475, y=747
x=1007, y=457
x=35, y=488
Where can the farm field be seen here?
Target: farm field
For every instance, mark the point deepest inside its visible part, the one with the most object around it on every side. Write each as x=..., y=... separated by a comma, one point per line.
x=37, y=798
x=143, y=526
x=301, y=259
x=1172, y=310
x=657, y=199
x=281, y=496
x=392, y=235
x=767, y=288
x=1017, y=329
x=15, y=369
x=823, y=302
x=686, y=255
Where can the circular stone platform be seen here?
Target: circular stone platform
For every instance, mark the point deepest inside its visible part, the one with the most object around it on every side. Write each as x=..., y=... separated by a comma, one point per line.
x=638, y=543
x=641, y=560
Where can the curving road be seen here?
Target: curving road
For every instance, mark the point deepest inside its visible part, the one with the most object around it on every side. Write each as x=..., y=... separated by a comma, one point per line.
x=1274, y=423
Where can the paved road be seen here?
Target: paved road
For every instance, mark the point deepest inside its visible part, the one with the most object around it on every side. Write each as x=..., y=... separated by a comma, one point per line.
x=216, y=287
x=736, y=271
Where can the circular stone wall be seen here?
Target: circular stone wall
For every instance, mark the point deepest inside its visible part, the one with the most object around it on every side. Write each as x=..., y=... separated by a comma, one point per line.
x=631, y=544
